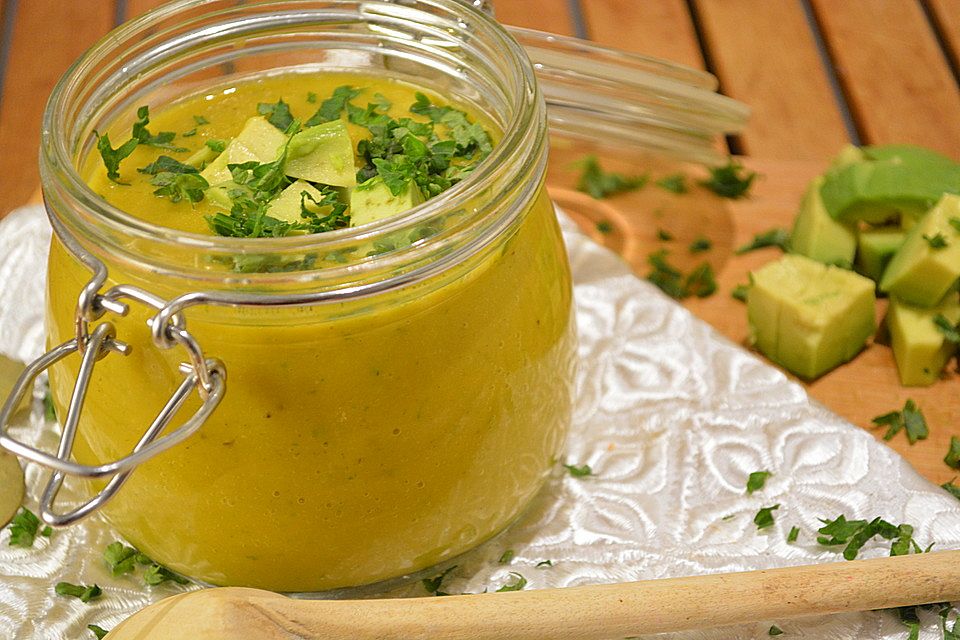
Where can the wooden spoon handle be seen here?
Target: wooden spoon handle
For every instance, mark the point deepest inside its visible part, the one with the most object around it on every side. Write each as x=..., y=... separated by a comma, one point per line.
x=597, y=612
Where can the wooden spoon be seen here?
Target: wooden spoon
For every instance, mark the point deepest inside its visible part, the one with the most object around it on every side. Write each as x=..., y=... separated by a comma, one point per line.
x=597, y=612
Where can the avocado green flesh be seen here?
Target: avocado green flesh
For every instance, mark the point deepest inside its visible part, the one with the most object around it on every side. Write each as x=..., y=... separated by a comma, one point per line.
x=323, y=154
x=373, y=200
x=817, y=235
x=919, y=347
x=918, y=273
x=875, y=249
x=286, y=206
x=809, y=317
x=258, y=141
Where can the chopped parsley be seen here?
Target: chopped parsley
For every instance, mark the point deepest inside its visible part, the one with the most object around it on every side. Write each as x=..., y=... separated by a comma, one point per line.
x=955, y=223
x=953, y=455
x=775, y=631
x=602, y=184
x=162, y=140
x=311, y=97
x=676, y=183
x=952, y=489
x=544, y=563
x=278, y=114
x=98, y=632
x=216, y=145
x=25, y=527
x=794, y=534
x=854, y=534
x=175, y=180
x=740, y=292
x=506, y=557
x=331, y=108
x=582, y=471
x=604, y=227
x=949, y=330
x=938, y=241
x=200, y=120
x=729, y=181
x=776, y=237
x=700, y=282
x=666, y=236
x=83, y=592
x=756, y=480
x=432, y=585
x=909, y=419
x=764, y=518
x=156, y=574
x=49, y=410
x=700, y=245
x=112, y=157
x=122, y=559
x=518, y=583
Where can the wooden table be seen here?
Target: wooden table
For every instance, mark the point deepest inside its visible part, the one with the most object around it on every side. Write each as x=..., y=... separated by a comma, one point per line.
x=818, y=74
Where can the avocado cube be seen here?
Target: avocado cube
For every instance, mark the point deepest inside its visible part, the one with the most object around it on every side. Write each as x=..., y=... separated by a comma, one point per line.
x=920, y=273
x=286, y=206
x=892, y=181
x=373, y=200
x=848, y=155
x=919, y=347
x=258, y=140
x=219, y=194
x=809, y=317
x=323, y=154
x=875, y=249
x=817, y=235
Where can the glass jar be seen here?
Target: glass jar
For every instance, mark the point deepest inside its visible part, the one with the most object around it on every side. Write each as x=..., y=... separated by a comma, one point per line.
x=393, y=394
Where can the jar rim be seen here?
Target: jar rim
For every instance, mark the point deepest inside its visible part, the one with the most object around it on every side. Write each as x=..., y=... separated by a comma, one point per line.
x=61, y=178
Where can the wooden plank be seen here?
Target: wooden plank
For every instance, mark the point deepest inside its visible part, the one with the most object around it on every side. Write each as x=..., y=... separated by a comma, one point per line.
x=766, y=55
x=544, y=15
x=946, y=15
x=139, y=7
x=896, y=76
x=663, y=29
x=47, y=37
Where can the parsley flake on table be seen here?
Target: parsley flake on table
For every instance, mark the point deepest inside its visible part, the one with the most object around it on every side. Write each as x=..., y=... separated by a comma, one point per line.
x=953, y=455
x=729, y=181
x=157, y=574
x=775, y=237
x=604, y=227
x=506, y=557
x=854, y=534
x=84, y=593
x=700, y=282
x=518, y=583
x=740, y=292
x=938, y=241
x=664, y=235
x=122, y=559
x=764, y=517
x=98, y=632
x=544, y=564
x=25, y=527
x=582, y=471
x=949, y=330
x=49, y=410
x=700, y=245
x=602, y=184
x=910, y=419
x=432, y=585
x=794, y=534
x=775, y=631
x=952, y=489
x=756, y=480
x=676, y=183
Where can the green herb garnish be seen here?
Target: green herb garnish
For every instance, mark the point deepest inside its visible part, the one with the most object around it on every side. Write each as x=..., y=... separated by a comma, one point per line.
x=311, y=97
x=952, y=489
x=112, y=157
x=24, y=528
x=216, y=145
x=666, y=236
x=953, y=455
x=776, y=237
x=506, y=557
x=156, y=574
x=729, y=181
x=175, y=180
x=756, y=480
x=700, y=282
x=950, y=331
x=518, y=583
x=938, y=241
x=432, y=585
x=775, y=631
x=83, y=592
x=200, y=120
x=676, y=183
x=740, y=292
x=582, y=471
x=955, y=223
x=700, y=245
x=854, y=534
x=604, y=227
x=764, y=517
x=278, y=114
x=331, y=108
x=544, y=563
x=794, y=534
x=161, y=140
x=601, y=184
x=910, y=419
x=49, y=410
x=99, y=632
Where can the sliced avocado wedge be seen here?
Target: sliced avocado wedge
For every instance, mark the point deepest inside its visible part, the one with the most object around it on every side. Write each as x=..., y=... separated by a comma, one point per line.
x=817, y=235
x=258, y=140
x=875, y=248
x=373, y=200
x=919, y=347
x=809, y=317
x=893, y=181
x=286, y=206
x=848, y=155
x=323, y=154
x=919, y=272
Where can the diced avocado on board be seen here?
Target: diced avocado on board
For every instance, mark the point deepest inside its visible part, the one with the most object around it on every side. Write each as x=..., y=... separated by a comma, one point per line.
x=286, y=206
x=875, y=248
x=893, y=181
x=809, y=317
x=919, y=347
x=258, y=140
x=323, y=154
x=817, y=235
x=848, y=155
x=373, y=200
x=922, y=270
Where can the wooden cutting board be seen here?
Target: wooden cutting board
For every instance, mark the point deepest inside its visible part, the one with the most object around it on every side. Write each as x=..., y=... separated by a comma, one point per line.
x=859, y=390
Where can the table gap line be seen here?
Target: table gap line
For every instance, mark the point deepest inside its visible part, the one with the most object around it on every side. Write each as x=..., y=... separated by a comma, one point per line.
x=936, y=26
x=6, y=36
x=837, y=84
x=733, y=141
x=119, y=12
x=576, y=17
